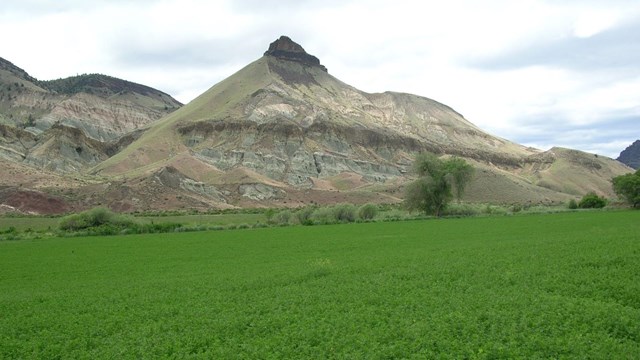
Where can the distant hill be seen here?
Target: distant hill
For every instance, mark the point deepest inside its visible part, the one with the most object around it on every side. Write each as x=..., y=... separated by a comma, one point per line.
x=62, y=124
x=631, y=155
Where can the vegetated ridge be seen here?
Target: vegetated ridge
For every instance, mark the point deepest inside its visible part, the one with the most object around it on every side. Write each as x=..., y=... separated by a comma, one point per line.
x=282, y=131
x=631, y=155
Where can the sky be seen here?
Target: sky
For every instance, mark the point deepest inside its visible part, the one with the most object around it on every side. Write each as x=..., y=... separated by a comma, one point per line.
x=542, y=73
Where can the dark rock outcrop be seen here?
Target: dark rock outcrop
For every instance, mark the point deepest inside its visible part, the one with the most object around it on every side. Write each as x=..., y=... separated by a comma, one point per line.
x=286, y=49
x=631, y=155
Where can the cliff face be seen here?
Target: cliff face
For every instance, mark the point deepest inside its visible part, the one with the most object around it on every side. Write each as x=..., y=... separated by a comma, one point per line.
x=631, y=155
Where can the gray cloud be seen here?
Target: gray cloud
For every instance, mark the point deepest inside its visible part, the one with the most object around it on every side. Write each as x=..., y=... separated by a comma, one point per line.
x=192, y=53
x=613, y=49
x=41, y=7
x=262, y=6
x=602, y=137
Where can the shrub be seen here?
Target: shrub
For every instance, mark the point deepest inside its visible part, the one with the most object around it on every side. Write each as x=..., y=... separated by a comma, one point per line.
x=281, y=218
x=10, y=230
x=157, y=227
x=494, y=210
x=102, y=218
x=592, y=201
x=395, y=215
x=344, y=213
x=304, y=215
x=73, y=223
x=323, y=216
x=269, y=214
x=461, y=210
x=367, y=212
x=573, y=204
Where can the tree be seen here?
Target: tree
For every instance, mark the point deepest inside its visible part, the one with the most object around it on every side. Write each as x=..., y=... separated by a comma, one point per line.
x=628, y=187
x=432, y=191
x=459, y=173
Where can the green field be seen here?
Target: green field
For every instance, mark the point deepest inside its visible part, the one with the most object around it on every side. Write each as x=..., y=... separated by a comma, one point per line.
x=535, y=286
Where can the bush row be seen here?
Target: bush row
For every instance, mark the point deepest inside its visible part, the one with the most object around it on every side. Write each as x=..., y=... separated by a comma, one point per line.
x=101, y=221
x=311, y=215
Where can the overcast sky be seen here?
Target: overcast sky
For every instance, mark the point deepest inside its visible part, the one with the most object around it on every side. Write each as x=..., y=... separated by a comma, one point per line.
x=540, y=73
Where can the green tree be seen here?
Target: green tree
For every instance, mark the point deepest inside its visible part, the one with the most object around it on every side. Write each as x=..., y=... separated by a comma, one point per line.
x=628, y=187
x=432, y=191
x=459, y=173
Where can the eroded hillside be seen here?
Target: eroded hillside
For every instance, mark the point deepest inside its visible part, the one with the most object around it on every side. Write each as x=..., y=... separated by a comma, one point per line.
x=66, y=116
x=282, y=131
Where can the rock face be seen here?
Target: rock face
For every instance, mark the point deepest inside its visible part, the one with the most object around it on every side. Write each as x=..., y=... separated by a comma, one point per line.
x=631, y=155
x=48, y=124
x=285, y=49
x=103, y=107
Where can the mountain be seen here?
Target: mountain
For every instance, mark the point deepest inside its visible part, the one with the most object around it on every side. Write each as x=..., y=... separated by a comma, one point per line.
x=631, y=155
x=67, y=125
x=282, y=131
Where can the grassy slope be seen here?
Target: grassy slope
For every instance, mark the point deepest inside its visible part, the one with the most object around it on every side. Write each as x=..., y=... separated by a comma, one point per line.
x=497, y=186
x=160, y=143
x=577, y=173
x=545, y=286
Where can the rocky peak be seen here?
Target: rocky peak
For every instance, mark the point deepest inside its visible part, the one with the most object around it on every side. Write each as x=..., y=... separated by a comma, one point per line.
x=286, y=49
x=631, y=155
